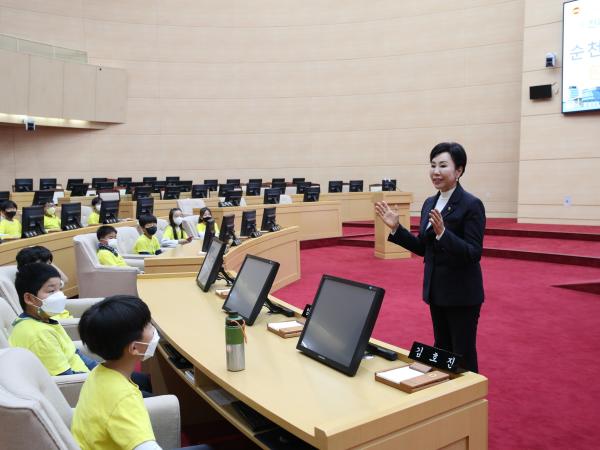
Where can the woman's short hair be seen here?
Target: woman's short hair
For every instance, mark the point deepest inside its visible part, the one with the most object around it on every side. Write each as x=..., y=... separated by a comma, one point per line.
x=456, y=151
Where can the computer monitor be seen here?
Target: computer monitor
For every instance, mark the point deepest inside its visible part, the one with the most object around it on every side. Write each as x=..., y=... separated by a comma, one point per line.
x=95, y=181
x=209, y=234
x=255, y=181
x=158, y=186
x=109, y=211
x=105, y=185
x=235, y=181
x=171, y=193
x=268, y=220
x=70, y=216
x=23, y=184
x=130, y=188
x=47, y=184
x=340, y=323
x=213, y=184
x=234, y=197
x=279, y=185
x=148, y=180
x=79, y=189
x=172, y=181
x=72, y=181
x=355, y=186
x=32, y=221
x=185, y=185
x=225, y=188
x=335, y=186
x=298, y=180
x=211, y=265
x=271, y=196
x=200, y=191
x=301, y=186
x=249, y=224
x=144, y=206
x=277, y=180
x=42, y=197
x=388, y=185
x=124, y=181
x=4, y=195
x=227, y=230
x=251, y=287
x=142, y=192
x=253, y=190
x=311, y=194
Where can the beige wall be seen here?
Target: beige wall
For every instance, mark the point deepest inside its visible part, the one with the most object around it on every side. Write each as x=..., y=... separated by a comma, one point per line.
x=559, y=154
x=326, y=89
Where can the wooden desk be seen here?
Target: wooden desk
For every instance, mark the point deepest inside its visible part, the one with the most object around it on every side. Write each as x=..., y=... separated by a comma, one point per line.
x=60, y=244
x=316, y=220
x=282, y=246
x=321, y=406
x=127, y=208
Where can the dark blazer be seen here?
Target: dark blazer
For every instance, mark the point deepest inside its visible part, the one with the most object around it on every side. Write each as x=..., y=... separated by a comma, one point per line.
x=452, y=271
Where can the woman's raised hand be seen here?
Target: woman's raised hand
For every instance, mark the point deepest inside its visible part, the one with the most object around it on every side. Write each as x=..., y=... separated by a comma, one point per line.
x=389, y=217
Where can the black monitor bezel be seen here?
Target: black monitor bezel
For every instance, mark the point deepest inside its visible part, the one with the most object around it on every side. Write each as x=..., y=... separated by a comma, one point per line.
x=335, y=183
x=185, y=185
x=26, y=183
x=277, y=180
x=200, y=188
x=224, y=236
x=140, y=203
x=44, y=194
x=171, y=191
x=255, y=181
x=244, y=224
x=253, y=190
x=4, y=195
x=124, y=181
x=264, y=292
x=302, y=186
x=214, y=270
x=281, y=185
x=269, y=192
x=224, y=188
x=97, y=180
x=263, y=223
x=106, y=185
x=72, y=181
x=105, y=206
x=149, y=180
x=83, y=192
x=234, y=197
x=146, y=191
x=356, y=183
x=29, y=211
x=209, y=234
x=384, y=183
x=311, y=190
x=48, y=181
x=365, y=333
x=65, y=213
x=213, y=184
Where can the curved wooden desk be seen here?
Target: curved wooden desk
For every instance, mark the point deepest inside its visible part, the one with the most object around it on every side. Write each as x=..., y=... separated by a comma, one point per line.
x=317, y=404
x=60, y=244
x=282, y=246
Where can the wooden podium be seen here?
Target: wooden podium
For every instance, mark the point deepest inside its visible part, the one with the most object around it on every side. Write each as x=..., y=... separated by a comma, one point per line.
x=400, y=203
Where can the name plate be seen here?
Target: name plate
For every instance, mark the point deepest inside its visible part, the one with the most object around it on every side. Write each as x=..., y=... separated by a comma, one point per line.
x=436, y=357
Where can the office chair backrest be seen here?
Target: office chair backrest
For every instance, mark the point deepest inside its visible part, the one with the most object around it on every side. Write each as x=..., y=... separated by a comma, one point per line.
x=190, y=225
x=187, y=205
x=7, y=316
x=7, y=287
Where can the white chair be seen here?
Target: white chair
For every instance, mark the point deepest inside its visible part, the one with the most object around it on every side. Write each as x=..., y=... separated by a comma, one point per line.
x=96, y=280
x=285, y=199
x=85, y=214
x=190, y=226
x=70, y=385
x=34, y=414
x=161, y=226
x=187, y=205
x=109, y=196
x=126, y=238
x=75, y=306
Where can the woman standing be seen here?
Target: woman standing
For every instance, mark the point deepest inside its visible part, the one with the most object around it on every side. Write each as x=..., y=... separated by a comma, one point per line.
x=451, y=241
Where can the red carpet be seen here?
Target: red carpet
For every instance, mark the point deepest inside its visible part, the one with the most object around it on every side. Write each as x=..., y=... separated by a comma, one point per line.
x=537, y=343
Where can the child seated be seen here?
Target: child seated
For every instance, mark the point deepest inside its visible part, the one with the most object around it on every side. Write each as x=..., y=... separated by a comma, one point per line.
x=174, y=234
x=10, y=228
x=205, y=215
x=147, y=244
x=94, y=217
x=51, y=222
x=38, y=287
x=110, y=412
x=107, y=247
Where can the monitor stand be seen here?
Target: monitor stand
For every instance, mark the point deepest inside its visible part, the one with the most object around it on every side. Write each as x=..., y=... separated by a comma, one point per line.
x=277, y=309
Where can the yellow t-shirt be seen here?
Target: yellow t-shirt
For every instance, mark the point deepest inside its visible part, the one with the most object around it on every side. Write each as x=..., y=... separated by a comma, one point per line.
x=147, y=245
x=49, y=342
x=94, y=218
x=51, y=222
x=202, y=228
x=110, y=413
x=107, y=258
x=168, y=234
x=12, y=228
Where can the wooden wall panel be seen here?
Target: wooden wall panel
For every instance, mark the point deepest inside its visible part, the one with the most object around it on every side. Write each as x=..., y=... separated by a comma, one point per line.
x=79, y=101
x=14, y=92
x=46, y=83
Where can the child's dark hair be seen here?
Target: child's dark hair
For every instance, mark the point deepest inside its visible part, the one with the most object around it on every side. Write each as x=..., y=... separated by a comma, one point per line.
x=96, y=200
x=33, y=254
x=8, y=204
x=31, y=277
x=177, y=229
x=146, y=219
x=107, y=327
x=104, y=231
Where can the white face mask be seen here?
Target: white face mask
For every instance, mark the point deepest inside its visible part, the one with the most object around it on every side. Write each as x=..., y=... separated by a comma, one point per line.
x=151, y=346
x=98, y=206
x=51, y=211
x=54, y=303
x=178, y=220
x=113, y=243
